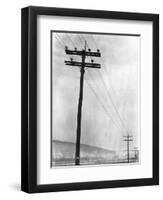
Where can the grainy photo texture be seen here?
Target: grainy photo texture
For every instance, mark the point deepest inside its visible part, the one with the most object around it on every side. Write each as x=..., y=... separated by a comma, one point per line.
x=94, y=99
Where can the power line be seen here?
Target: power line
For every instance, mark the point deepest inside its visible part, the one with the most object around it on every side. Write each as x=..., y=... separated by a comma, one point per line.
x=71, y=40
x=61, y=44
x=108, y=78
x=104, y=68
x=111, y=100
x=101, y=103
x=103, y=98
x=109, y=95
x=94, y=41
x=80, y=39
x=57, y=36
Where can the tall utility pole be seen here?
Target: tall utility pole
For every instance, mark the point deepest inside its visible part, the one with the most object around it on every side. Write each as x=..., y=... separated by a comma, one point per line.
x=128, y=138
x=82, y=65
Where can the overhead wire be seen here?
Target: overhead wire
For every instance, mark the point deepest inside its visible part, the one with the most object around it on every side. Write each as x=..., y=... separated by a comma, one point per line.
x=59, y=39
x=101, y=103
x=104, y=99
x=71, y=40
x=80, y=36
x=111, y=100
x=110, y=97
x=61, y=44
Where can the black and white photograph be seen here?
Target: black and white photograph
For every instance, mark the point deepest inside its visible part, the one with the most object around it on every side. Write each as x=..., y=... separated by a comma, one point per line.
x=95, y=106
x=90, y=99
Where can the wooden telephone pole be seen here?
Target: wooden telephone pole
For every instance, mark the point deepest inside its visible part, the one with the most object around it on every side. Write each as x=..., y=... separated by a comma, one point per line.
x=128, y=139
x=82, y=65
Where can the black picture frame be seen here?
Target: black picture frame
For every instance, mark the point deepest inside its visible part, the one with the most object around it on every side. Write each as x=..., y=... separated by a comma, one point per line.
x=29, y=99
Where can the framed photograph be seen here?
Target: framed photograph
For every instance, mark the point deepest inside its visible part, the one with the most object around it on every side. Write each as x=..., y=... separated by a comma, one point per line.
x=90, y=99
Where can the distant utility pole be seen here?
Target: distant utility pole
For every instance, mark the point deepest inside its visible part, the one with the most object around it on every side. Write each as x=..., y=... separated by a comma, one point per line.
x=136, y=153
x=82, y=65
x=128, y=139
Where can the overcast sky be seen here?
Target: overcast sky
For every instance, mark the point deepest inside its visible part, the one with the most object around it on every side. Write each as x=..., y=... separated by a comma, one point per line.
x=101, y=124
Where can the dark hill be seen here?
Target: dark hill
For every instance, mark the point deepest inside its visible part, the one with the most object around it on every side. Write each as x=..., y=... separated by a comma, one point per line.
x=63, y=153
